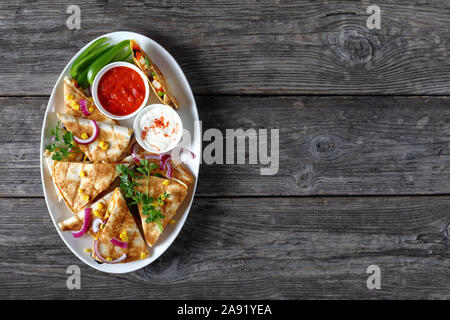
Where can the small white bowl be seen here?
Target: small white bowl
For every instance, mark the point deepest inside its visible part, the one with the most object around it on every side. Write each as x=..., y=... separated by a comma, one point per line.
x=99, y=75
x=138, y=129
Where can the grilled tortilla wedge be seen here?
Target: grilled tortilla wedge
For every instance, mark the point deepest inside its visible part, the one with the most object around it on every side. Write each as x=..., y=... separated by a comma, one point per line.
x=72, y=97
x=179, y=172
x=121, y=226
x=76, y=222
x=76, y=156
x=114, y=138
x=81, y=182
x=155, y=77
x=156, y=187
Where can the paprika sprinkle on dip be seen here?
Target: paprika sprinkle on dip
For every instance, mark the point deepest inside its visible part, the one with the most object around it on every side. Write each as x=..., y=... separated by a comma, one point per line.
x=121, y=91
x=159, y=128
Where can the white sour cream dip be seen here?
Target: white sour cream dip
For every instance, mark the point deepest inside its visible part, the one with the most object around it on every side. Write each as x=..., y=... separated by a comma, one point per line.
x=159, y=128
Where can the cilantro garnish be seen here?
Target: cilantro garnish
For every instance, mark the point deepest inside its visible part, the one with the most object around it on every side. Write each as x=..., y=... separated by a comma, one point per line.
x=62, y=143
x=150, y=206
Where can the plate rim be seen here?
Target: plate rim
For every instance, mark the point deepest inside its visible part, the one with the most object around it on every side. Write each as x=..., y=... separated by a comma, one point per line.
x=196, y=128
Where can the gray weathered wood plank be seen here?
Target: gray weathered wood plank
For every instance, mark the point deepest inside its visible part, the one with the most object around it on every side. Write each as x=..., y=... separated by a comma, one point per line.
x=244, y=47
x=328, y=145
x=250, y=248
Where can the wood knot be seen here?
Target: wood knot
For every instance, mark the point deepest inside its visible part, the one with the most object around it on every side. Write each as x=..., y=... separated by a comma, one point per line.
x=324, y=147
x=304, y=177
x=168, y=267
x=354, y=47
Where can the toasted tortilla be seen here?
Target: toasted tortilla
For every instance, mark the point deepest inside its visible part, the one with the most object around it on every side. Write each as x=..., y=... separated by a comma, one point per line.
x=179, y=172
x=72, y=95
x=142, y=60
x=117, y=138
x=120, y=220
x=177, y=192
x=76, y=222
x=73, y=156
x=97, y=177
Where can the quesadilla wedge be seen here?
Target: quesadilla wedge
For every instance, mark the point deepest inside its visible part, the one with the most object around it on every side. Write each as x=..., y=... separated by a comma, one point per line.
x=157, y=188
x=76, y=222
x=120, y=239
x=110, y=144
x=74, y=99
x=179, y=172
x=155, y=77
x=80, y=182
x=50, y=163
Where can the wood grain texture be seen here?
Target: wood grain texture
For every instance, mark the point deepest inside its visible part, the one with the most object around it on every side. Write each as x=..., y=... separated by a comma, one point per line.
x=249, y=248
x=364, y=169
x=328, y=145
x=244, y=47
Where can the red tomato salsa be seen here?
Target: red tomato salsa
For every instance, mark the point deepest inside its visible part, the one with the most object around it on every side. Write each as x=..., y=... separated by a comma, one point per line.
x=121, y=91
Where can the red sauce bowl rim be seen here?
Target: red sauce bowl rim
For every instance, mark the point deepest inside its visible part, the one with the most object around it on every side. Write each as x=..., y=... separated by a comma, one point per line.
x=94, y=89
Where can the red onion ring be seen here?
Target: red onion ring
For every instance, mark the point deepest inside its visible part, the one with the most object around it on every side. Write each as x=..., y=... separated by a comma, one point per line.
x=95, y=224
x=183, y=150
x=119, y=243
x=169, y=170
x=86, y=223
x=99, y=256
x=151, y=156
x=84, y=108
x=91, y=138
x=164, y=160
x=134, y=153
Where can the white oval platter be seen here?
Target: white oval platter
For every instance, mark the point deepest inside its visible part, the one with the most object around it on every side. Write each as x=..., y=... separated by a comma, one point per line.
x=189, y=116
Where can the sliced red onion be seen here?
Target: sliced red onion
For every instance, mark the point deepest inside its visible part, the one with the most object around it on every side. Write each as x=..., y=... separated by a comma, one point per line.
x=84, y=108
x=99, y=256
x=134, y=153
x=184, y=150
x=119, y=243
x=86, y=223
x=151, y=156
x=96, y=224
x=164, y=160
x=169, y=170
x=91, y=138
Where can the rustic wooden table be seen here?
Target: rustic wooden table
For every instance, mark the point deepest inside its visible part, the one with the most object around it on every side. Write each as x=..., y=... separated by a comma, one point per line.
x=364, y=122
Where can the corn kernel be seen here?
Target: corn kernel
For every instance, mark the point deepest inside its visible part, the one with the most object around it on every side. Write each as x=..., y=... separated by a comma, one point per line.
x=85, y=197
x=84, y=135
x=82, y=174
x=165, y=182
x=109, y=259
x=103, y=145
x=91, y=109
x=100, y=206
x=75, y=105
x=143, y=255
x=80, y=190
x=97, y=213
x=124, y=236
x=87, y=250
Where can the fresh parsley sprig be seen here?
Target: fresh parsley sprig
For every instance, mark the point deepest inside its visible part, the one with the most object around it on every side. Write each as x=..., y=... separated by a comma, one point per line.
x=62, y=143
x=150, y=206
